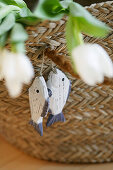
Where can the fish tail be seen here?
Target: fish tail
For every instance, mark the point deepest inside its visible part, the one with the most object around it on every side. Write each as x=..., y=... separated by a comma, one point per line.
x=55, y=118
x=31, y=122
x=38, y=127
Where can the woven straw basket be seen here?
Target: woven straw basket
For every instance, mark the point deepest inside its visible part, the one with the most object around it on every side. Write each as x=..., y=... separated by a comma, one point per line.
x=87, y=134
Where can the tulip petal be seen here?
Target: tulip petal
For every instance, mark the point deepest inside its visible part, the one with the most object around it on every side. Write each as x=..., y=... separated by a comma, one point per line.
x=88, y=64
x=14, y=87
x=91, y=77
x=16, y=69
x=8, y=66
x=106, y=62
x=24, y=68
x=1, y=76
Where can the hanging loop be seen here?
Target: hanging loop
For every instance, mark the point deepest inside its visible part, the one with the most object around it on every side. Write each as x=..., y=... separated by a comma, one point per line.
x=53, y=67
x=42, y=65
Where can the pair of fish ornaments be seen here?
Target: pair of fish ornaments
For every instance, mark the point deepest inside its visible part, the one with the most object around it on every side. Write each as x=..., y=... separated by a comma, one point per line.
x=48, y=97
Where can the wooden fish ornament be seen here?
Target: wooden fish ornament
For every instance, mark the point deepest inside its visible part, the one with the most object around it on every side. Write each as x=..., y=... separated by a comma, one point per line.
x=39, y=103
x=60, y=86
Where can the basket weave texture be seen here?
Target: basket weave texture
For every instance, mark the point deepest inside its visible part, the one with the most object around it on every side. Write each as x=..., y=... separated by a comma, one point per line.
x=87, y=134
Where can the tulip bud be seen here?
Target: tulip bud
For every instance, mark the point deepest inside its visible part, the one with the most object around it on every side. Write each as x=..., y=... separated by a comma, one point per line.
x=92, y=63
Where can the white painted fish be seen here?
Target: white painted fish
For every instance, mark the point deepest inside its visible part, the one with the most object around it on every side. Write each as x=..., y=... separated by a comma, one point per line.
x=39, y=103
x=60, y=87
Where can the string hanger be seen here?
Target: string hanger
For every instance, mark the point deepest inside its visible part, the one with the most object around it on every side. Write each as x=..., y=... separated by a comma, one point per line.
x=42, y=65
x=53, y=67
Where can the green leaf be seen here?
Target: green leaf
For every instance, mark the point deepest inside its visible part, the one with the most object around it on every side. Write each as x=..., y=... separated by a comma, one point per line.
x=87, y=23
x=30, y=20
x=25, y=16
x=25, y=12
x=19, y=3
x=65, y=3
x=3, y=39
x=18, y=34
x=7, y=23
x=4, y=11
x=2, y=4
x=49, y=9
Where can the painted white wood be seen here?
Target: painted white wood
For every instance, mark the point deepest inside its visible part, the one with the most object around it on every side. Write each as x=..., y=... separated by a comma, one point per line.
x=60, y=90
x=37, y=100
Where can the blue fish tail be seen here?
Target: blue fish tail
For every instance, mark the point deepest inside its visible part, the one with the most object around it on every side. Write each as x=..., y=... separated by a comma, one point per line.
x=55, y=118
x=38, y=127
x=31, y=122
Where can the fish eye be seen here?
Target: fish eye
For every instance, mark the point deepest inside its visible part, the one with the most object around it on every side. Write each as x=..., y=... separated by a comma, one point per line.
x=37, y=91
x=62, y=79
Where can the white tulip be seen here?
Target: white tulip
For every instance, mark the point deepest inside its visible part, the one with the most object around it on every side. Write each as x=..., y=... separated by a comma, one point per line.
x=92, y=63
x=16, y=69
x=25, y=68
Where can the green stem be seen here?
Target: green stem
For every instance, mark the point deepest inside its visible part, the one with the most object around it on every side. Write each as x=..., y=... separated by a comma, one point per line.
x=18, y=47
x=77, y=33
x=78, y=38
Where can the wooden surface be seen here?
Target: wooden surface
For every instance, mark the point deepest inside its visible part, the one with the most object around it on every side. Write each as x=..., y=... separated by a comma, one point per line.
x=13, y=159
